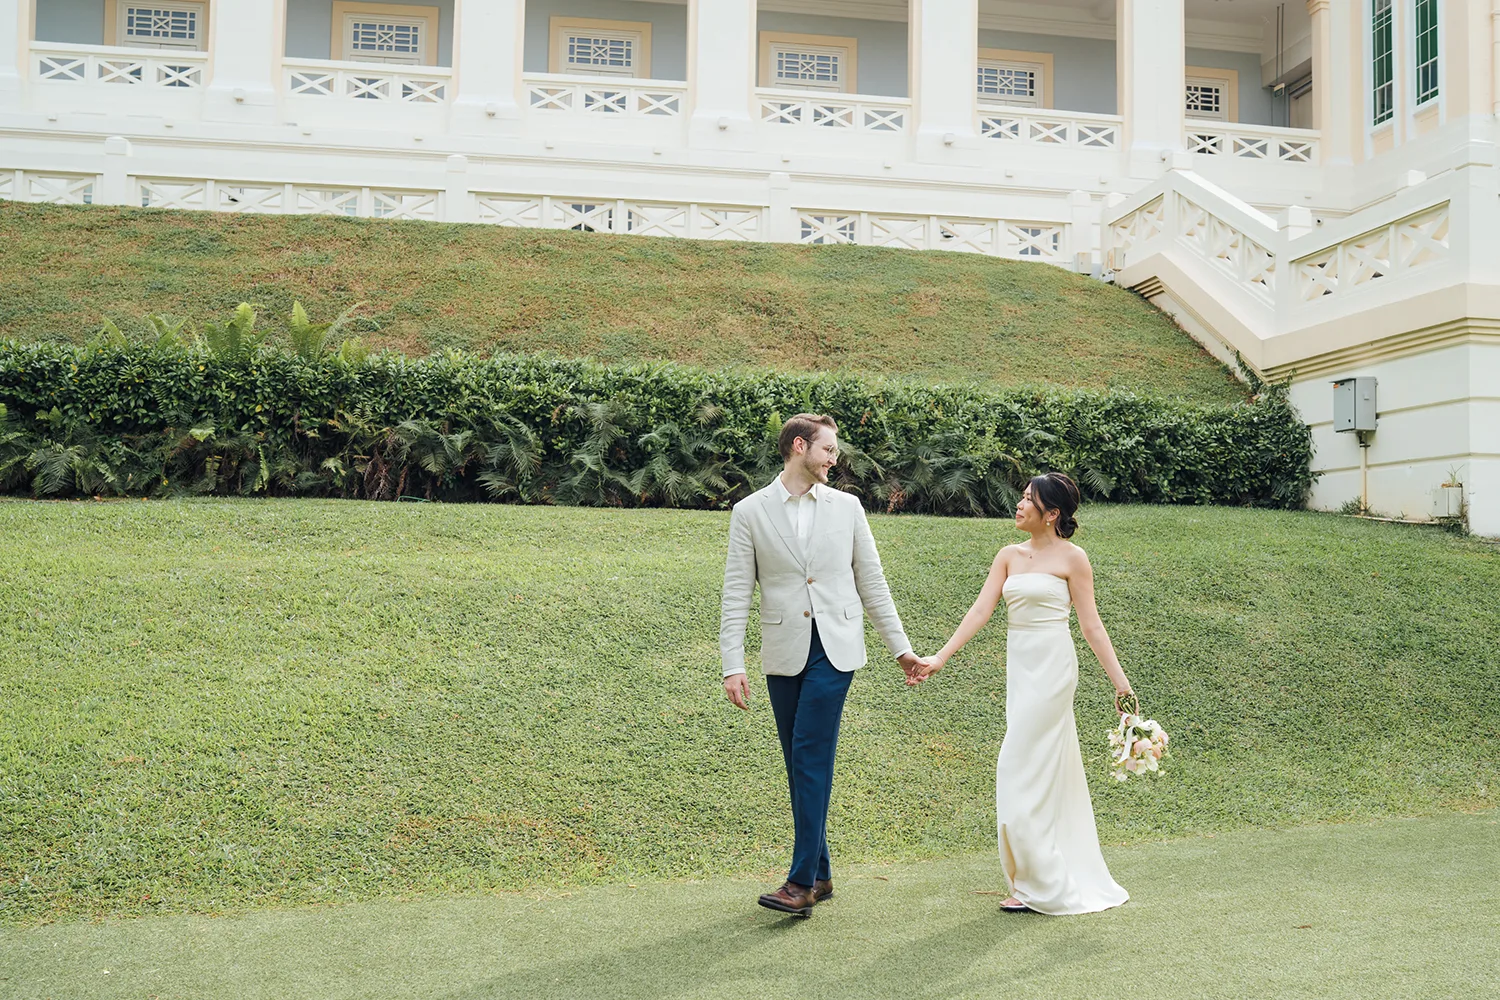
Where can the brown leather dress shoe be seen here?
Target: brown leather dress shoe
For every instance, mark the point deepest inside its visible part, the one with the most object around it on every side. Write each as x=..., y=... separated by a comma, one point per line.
x=790, y=898
x=822, y=889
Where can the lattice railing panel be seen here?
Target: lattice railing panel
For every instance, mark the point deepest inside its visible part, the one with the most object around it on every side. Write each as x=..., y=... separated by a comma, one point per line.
x=1145, y=223
x=1050, y=128
x=54, y=189
x=1248, y=263
x=251, y=199
x=518, y=211
x=725, y=223
x=1249, y=142
x=826, y=228
x=597, y=98
x=355, y=82
x=1402, y=246
x=657, y=220
x=174, y=193
x=816, y=112
x=326, y=200
x=421, y=205
x=1036, y=241
x=98, y=64
x=899, y=231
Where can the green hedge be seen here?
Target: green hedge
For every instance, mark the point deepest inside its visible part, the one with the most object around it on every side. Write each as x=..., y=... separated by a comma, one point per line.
x=118, y=419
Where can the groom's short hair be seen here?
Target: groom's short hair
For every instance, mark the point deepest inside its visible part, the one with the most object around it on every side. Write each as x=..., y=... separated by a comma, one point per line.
x=804, y=426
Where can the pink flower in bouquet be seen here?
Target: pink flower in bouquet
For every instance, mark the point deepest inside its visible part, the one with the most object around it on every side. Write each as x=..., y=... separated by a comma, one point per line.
x=1141, y=746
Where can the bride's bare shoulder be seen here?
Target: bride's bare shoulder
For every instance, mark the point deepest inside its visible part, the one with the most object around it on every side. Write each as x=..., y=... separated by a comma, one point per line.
x=1003, y=557
x=1076, y=556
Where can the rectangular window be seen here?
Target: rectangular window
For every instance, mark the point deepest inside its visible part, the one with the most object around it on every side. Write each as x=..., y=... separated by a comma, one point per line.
x=1427, y=50
x=1382, y=57
x=384, y=39
x=1207, y=99
x=807, y=62
x=590, y=47
x=805, y=66
x=385, y=33
x=1011, y=83
x=160, y=25
x=596, y=52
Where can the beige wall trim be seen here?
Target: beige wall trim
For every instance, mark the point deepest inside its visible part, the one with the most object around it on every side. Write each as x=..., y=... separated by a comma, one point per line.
x=1423, y=341
x=557, y=25
x=342, y=8
x=1017, y=55
x=1231, y=78
x=849, y=45
x=1462, y=456
x=1440, y=404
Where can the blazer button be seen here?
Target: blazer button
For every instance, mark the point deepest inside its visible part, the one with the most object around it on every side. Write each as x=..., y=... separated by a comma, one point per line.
x=809, y=579
x=807, y=614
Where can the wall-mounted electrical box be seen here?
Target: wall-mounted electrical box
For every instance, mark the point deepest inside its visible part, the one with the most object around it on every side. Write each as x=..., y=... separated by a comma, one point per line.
x=1354, y=404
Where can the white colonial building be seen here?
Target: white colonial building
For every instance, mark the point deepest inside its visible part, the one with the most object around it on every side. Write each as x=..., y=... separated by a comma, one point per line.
x=1312, y=184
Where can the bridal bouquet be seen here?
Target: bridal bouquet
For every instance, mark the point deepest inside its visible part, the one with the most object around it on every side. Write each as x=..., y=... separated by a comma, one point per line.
x=1136, y=745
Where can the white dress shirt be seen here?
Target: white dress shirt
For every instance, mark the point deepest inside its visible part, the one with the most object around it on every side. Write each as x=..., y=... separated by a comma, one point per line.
x=800, y=509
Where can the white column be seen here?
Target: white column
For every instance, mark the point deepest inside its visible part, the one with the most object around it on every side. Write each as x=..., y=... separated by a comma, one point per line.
x=723, y=59
x=943, y=42
x=247, y=39
x=1333, y=75
x=15, y=46
x=1151, y=38
x=488, y=38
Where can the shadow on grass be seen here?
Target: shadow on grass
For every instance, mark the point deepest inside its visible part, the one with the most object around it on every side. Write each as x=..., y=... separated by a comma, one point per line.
x=727, y=957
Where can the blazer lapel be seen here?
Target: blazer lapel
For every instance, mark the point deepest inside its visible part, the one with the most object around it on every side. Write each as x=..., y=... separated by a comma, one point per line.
x=776, y=511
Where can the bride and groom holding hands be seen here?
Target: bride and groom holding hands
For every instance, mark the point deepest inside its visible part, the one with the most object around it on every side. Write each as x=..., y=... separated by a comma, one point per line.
x=809, y=548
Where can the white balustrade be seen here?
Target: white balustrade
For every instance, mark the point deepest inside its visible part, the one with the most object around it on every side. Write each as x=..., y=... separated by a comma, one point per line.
x=1038, y=241
x=1402, y=246
x=551, y=92
x=48, y=187
x=1061, y=128
x=853, y=113
x=596, y=215
x=100, y=64
x=367, y=81
x=1253, y=142
x=1226, y=247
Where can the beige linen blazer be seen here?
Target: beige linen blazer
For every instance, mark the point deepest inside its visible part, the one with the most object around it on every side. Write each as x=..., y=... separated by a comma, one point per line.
x=837, y=580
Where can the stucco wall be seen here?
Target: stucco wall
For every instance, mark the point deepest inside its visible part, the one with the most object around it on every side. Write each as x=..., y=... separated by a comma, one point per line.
x=80, y=22
x=668, y=30
x=1255, y=100
x=309, y=28
x=1083, y=77
x=880, y=59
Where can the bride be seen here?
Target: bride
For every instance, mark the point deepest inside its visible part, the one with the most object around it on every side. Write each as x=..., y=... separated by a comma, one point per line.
x=1048, y=844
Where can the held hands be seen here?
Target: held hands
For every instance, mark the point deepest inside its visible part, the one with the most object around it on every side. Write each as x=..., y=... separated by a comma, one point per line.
x=919, y=668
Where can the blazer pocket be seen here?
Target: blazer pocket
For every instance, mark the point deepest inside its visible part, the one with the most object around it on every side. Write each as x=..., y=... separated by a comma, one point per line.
x=769, y=617
x=854, y=611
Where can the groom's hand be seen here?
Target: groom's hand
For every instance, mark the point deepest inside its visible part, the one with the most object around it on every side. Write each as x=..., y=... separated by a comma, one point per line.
x=737, y=689
x=911, y=666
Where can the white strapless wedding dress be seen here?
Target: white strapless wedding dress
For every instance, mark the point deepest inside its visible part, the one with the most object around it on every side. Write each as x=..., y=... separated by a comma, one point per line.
x=1048, y=843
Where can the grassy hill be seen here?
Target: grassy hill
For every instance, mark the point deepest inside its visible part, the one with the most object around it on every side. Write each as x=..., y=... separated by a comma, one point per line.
x=939, y=317
x=216, y=705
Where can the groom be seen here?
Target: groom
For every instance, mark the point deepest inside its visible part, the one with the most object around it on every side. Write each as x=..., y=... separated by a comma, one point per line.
x=809, y=547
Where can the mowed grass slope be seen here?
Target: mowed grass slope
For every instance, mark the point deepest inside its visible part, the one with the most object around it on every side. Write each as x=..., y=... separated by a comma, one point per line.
x=214, y=705
x=940, y=317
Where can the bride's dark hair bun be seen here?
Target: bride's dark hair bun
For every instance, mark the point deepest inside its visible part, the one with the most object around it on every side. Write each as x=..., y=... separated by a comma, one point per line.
x=1056, y=492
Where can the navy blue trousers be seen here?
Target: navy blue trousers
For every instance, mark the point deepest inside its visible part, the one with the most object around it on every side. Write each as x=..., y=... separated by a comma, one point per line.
x=808, y=708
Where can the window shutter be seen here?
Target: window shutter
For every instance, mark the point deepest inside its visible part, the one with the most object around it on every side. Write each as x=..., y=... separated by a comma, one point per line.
x=161, y=25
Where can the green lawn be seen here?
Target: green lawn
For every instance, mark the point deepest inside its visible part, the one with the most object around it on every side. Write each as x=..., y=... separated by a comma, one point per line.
x=218, y=705
x=939, y=317
x=1396, y=909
